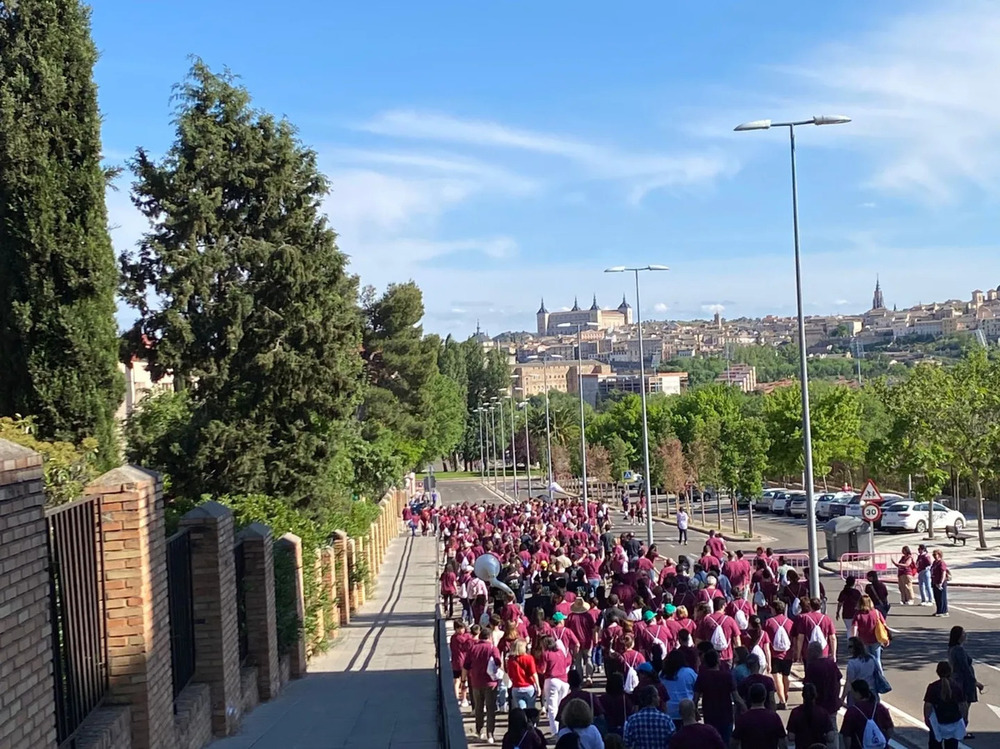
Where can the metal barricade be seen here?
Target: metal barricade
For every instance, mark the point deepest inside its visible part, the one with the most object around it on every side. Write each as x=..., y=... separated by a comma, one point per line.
x=798, y=561
x=859, y=565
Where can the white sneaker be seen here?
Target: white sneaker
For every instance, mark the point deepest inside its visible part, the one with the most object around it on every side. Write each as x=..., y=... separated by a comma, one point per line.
x=491, y=740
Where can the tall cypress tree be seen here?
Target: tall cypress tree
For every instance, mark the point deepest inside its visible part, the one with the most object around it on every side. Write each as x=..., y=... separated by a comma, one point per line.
x=58, y=340
x=243, y=294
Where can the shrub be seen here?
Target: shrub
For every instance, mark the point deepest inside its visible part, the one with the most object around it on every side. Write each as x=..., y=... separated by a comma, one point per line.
x=66, y=468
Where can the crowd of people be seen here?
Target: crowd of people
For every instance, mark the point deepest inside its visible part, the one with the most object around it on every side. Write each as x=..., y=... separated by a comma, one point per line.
x=602, y=641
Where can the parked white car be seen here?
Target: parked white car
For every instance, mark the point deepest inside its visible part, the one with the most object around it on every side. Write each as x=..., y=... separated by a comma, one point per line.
x=795, y=505
x=763, y=502
x=913, y=516
x=824, y=501
x=779, y=502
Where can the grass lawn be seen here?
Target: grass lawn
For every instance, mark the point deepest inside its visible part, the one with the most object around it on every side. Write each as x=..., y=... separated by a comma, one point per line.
x=445, y=475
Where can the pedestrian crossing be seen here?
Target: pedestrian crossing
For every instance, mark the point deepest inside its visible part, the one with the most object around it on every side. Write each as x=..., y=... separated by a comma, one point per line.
x=974, y=602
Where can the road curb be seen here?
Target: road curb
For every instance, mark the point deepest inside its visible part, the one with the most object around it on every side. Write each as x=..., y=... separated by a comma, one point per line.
x=725, y=536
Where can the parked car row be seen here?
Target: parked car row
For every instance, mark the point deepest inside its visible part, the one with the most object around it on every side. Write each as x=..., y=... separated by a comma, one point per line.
x=898, y=512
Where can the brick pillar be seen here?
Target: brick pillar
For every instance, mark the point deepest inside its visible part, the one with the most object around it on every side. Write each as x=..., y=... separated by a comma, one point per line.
x=262, y=624
x=216, y=628
x=316, y=570
x=27, y=705
x=328, y=584
x=297, y=657
x=342, y=581
x=138, y=611
x=359, y=555
x=352, y=585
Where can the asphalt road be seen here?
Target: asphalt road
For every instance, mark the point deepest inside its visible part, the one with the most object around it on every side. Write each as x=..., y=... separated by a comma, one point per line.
x=921, y=639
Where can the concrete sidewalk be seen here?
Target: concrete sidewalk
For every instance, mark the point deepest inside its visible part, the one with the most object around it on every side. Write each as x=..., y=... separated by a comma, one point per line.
x=376, y=687
x=970, y=565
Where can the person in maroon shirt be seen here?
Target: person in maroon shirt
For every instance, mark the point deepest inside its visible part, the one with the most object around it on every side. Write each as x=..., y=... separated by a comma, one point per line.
x=584, y=628
x=823, y=672
x=716, y=691
x=719, y=620
x=483, y=685
x=758, y=727
x=865, y=708
x=939, y=583
x=716, y=544
x=459, y=646
x=576, y=691
x=694, y=735
x=847, y=602
x=809, y=723
x=615, y=703
x=810, y=619
x=781, y=660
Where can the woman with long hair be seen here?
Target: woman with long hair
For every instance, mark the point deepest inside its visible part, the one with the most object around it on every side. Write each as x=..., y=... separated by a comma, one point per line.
x=809, y=723
x=962, y=668
x=861, y=666
x=945, y=710
x=449, y=588
x=521, y=733
x=757, y=642
x=555, y=669
x=679, y=678
x=523, y=672
x=864, y=707
x=865, y=624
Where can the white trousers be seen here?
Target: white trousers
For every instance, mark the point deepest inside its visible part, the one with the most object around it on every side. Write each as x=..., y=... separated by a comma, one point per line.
x=555, y=691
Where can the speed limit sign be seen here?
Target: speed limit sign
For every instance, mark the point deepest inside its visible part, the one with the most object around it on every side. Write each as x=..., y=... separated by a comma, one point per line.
x=871, y=512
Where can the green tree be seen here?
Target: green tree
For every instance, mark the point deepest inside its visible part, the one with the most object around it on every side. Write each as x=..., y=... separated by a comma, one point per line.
x=911, y=440
x=971, y=424
x=444, y=418
x=58, y=339
x=620, y=456
x=243, y=294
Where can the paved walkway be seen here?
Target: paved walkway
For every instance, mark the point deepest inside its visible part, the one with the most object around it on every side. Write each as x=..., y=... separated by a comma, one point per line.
x=969, y=564
x=376, y=687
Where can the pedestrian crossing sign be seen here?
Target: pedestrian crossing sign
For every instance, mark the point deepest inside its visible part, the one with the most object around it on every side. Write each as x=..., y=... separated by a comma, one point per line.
x=870, y=493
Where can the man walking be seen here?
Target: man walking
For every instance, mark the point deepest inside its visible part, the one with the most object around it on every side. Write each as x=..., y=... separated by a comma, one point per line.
x=649, y=728
x=682, y=527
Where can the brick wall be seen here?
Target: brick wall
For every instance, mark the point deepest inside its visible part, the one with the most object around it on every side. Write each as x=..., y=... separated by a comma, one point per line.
x=27, y=700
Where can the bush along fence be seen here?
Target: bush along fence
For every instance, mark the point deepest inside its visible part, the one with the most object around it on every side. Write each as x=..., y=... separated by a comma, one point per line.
x=115, y=636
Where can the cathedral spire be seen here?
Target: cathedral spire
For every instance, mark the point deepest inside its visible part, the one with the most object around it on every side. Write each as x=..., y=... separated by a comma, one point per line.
x=542, y=310
x=576, y=305
x=594, y=307
x=878, y=301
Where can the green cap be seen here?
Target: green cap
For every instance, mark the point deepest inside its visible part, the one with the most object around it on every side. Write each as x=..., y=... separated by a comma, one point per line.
x=558, y=616
x=669, y=609
x=648, y=615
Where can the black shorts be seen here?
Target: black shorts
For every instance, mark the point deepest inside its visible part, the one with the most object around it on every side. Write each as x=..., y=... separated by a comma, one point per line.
x=456, y=674
x=781, y=666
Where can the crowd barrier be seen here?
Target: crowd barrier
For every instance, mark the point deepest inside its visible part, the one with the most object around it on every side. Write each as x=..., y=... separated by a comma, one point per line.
x=859, y=565
x=450, y=725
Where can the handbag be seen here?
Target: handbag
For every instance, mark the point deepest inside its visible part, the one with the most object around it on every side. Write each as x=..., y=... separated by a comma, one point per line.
x=882, y=636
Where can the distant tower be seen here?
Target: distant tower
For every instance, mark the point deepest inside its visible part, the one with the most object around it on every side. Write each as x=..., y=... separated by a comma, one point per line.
x=594, y=307
x=626, y=310
x=718, y=320
x=878, y=302
x=576, y=305
x=542, y=318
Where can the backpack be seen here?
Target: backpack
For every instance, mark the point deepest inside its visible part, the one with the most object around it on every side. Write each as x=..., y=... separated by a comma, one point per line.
x=631, y=679
x=719, y=640
x=759, y=599
x=741, y=619
x=781, y=642
x=796, y=608
x=872, y=736
x=661, y=646
x=817, y=635
x=761, y=658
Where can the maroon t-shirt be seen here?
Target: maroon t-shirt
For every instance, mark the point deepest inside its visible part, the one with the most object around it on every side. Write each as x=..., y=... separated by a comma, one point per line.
x=460, y=642
x=476, y=660
x=759, y=729
x=824, y=674
x=849, y=599
x=582, y=625
x=856, y=717
x=697, y=736
x=716, y=689
x=809, y=727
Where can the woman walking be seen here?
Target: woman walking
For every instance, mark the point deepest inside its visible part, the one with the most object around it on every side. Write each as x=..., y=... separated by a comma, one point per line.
x=868, y=625
x=939, y=583
x=906, y=568
x=524, y=686
x=963, y=670
x=860, y=666
x=924, y=563
x=945, y=709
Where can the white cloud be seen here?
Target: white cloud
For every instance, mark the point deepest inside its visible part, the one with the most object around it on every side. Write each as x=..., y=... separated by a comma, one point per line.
x=660, y=307
x=713, y=308
x=647, y=171
x=925, y=97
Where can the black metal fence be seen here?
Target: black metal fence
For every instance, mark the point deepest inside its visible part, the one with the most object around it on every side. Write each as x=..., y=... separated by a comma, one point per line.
x=181, y=595
x=241, y=601
x=79, y=633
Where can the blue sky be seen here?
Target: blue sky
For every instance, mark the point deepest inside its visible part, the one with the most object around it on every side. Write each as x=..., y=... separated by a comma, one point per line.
x=498, y=152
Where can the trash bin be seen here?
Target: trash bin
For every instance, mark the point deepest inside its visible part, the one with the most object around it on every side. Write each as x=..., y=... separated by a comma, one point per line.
x=846, y=535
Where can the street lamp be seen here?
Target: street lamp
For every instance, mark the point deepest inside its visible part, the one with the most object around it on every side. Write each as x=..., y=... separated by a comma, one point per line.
x=579, y=376
x=642, y=391
x=503, y=439
x=803, y=366
x=513, y=447
x=493, y=439
x=548, y=432
x=527, y=444
x=482, y=459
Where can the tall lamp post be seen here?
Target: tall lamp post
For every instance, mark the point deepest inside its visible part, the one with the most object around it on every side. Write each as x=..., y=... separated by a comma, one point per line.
x=545, y=358
x=482, y=458
x=803, y=366
x=579, y=386
x=642, y=392
x=503, y=442
x=513, y=447
x=527, y=444
x=493, y=439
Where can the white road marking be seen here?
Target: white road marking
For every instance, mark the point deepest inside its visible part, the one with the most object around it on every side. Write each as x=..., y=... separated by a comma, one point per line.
x=980, y=614
x=995, y=709
x=988, y=665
